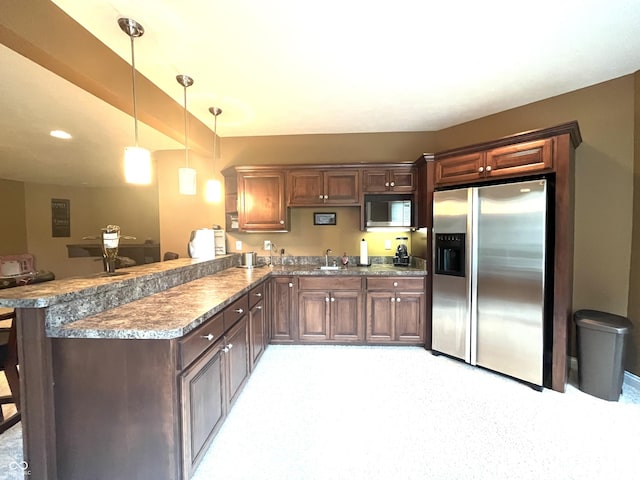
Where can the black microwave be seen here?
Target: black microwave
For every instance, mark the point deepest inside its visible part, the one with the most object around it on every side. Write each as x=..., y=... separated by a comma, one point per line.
x=388, y=211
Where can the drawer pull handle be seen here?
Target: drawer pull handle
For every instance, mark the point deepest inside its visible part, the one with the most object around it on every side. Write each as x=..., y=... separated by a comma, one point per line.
x=239, y=310
x=208, y=337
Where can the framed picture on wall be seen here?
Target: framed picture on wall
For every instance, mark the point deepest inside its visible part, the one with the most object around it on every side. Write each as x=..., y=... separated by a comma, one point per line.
x=60, y=217
x=324, y=218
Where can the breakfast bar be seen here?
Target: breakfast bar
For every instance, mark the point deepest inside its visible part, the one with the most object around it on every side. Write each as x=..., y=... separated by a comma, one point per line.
x=131, y=375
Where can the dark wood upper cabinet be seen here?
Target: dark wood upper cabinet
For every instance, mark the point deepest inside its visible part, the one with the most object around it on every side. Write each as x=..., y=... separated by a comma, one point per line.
x=315, y=187
x=261, y=201
x=517, y=160
x=389, y=180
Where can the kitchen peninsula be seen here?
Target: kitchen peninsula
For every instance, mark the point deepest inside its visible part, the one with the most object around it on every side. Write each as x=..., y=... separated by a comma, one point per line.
x=131, y=376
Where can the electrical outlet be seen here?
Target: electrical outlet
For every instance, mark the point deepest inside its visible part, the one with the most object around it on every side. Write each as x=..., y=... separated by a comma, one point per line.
x=387, y=244
x=238, y=245
x=267, y=245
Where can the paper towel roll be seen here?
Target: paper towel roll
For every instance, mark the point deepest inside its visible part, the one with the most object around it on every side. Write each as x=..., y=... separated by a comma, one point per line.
x=364, y=253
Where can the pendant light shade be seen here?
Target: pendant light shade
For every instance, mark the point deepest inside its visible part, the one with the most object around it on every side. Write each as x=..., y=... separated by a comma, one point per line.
x=137, y=160
x=186, y=175
x=213, y=192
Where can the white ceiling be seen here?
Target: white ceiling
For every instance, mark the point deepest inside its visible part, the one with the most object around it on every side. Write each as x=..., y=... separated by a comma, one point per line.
x=291, y=67
x=345, y=66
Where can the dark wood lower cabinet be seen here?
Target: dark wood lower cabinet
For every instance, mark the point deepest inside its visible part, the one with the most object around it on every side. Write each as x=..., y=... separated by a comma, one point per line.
x=237, y=355
x=330, y=309
x=204, y=404
x=283, y=310
x=395, y=310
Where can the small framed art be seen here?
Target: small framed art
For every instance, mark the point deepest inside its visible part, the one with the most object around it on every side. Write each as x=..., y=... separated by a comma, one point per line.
x=324, y=218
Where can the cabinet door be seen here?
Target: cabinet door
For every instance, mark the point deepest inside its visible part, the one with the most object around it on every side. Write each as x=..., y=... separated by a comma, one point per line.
x=346, y=316
x=409, y=317
x=402, y=180
x=305, y=187
x=380, y=312
x=256, y=332
x=375, y=180
x=521, y=159
x=261, y=201
x=313, y=315
x=460, y=169
x=237, y=358
x=203, y=405
x=342, y=187
x=283, y=309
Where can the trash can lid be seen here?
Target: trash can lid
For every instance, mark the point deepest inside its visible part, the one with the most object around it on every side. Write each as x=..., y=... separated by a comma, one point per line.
x=603, y=321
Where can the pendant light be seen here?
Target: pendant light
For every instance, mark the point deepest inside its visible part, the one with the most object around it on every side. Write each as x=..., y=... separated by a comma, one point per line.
x=186, y=175
x=213, y=192
x=137, y=160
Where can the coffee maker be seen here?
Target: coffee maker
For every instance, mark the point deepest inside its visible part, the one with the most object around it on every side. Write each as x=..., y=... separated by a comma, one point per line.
x=402, y=254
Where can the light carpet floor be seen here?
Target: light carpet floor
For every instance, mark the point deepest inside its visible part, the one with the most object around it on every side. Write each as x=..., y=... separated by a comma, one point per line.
x=332, y=413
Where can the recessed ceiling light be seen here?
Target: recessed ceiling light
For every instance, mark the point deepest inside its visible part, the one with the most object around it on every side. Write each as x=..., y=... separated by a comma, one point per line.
x=60, y=134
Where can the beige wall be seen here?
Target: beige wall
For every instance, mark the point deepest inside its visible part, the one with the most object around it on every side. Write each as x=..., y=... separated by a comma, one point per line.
x=135, y=210
x=634, y=276
x=180, y=214
x=13, y=240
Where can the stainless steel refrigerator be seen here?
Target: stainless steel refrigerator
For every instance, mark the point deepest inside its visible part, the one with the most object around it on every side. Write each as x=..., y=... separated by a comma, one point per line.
x=489, y=270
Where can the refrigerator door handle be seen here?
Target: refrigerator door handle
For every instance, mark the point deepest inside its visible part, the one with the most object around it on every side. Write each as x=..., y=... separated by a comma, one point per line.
x=472, y=271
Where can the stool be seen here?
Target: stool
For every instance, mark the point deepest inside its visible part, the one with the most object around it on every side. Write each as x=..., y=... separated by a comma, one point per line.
x=9, y=364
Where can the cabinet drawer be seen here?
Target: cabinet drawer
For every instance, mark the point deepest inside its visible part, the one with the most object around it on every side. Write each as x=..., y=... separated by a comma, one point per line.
x=256, y=294
x=198, y=340
x=235, y=311
x=395, y=283
x=330, y=283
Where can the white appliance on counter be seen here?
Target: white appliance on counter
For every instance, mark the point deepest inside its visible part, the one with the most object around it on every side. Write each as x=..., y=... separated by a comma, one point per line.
x=490, y=266
x=207, y=243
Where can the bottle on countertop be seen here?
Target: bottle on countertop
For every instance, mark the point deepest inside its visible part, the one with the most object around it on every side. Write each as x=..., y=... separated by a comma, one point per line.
x=345, y=260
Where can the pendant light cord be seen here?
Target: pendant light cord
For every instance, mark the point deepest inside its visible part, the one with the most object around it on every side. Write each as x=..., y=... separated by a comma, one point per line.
x=186, y=134
x=133, y=82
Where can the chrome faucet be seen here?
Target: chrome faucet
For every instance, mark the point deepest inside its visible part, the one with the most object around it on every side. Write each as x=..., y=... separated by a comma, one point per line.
x=326, y=257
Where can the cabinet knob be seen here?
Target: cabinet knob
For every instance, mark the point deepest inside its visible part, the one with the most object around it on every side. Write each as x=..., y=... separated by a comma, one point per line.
x=326, y=299
x=259, y=307
x=395, y=284
x=488, y=168
x=225, y=349
x=290, y=285
x=481, y=169
x=320, y=197
x=393, y=184
x=398, y=299
x=239, y=310
x=230, y=346
x=259, y=295
x=326, y=197
x=333, y=299
x=393, y=299
x=208, y=337
x=386, y=184
x=281, y=222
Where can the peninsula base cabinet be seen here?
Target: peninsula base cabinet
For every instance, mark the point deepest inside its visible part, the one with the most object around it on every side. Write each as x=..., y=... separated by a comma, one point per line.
x=395, y=310
x=151, y=407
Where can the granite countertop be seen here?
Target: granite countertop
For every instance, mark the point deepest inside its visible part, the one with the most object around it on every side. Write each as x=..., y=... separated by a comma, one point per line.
x=168, y=314
x=158, y=301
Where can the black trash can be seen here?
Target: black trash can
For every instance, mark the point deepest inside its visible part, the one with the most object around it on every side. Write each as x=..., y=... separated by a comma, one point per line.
x=601, y=348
